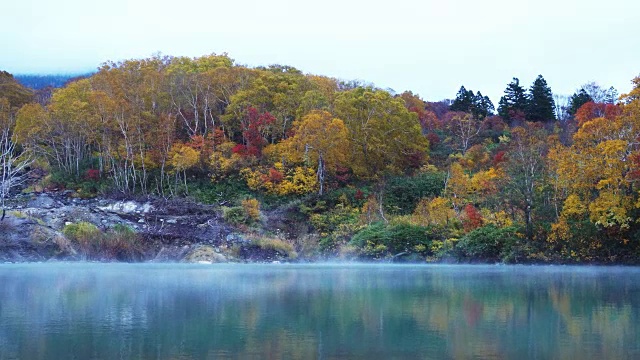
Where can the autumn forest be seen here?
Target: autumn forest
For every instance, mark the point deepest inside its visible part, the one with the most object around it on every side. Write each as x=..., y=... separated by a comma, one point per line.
x=376, y=175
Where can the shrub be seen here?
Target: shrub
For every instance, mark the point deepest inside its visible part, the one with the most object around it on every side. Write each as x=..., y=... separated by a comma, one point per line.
x=251, y=209
x=86, y=235
x=335, y=226
x=488, y=243
x=402, y=194
x=281, y=246
x=234, y=215
x=121, y=243
x=380, y=240
x=82, y=232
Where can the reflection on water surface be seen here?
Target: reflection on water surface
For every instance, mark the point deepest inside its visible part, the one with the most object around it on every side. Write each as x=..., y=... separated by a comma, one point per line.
x=169, y=311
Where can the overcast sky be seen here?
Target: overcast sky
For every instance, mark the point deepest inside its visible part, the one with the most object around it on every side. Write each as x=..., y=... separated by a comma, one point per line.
x=429, y=47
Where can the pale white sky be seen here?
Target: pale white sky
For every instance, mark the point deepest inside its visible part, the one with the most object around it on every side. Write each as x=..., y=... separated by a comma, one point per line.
x=429, y=47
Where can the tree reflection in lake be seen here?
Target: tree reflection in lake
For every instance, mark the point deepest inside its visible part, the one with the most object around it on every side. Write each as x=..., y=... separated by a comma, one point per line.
x=317, y=311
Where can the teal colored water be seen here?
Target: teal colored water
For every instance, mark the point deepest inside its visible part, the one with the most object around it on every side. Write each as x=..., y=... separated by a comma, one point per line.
x=174, y=311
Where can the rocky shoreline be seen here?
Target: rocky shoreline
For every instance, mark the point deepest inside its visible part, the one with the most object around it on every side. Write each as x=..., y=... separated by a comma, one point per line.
x=166, y=231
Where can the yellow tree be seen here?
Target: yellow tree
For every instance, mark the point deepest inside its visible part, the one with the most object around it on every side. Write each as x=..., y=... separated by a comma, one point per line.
x=384, y=135
x=435, y=211
x=458, y=186
x=183, y=158
x=320, y=141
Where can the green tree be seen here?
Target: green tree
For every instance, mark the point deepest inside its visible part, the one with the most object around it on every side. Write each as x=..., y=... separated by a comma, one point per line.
x=578, y=99
x=464, y=100
x=477, y=104
x=482, y=106
x=513, y=101
x=540, y=105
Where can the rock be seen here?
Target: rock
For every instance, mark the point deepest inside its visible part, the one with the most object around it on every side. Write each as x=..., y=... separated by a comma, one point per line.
x=127, y=207
x=236, y=239
x=204, y=253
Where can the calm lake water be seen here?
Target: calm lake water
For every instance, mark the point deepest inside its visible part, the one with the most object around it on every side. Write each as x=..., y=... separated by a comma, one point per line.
x=174, y=311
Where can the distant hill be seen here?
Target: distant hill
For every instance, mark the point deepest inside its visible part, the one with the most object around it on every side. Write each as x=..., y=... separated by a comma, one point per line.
x=38, y=82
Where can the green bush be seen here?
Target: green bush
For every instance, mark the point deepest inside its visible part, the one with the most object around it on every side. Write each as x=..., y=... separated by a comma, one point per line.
x=82, y=232
x=489, y=243
x=86, y=235
x=335, y=226
x=382, y=240
x=231, y=189
x=402, y=194
x=234, y=215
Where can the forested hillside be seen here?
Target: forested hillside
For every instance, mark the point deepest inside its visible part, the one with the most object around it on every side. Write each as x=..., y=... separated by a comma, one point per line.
x=38, y=82
x=540, y=178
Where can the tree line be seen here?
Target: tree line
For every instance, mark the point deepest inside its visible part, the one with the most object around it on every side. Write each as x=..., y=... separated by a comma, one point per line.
x=375, y=173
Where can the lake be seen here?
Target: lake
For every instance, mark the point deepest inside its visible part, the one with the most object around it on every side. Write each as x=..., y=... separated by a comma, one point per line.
x=332, y=311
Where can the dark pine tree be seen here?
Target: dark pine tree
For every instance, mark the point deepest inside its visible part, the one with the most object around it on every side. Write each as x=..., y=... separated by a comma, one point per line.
x=464, y=100
x=513, y=102
x=540, y=105
x=578, y=99
x=482, y=106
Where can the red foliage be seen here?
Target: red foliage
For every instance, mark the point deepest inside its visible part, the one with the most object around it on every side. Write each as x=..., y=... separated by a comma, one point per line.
x=92, y=175
x=434, y=139
x=275, y=176
x=634, y=171
x=517, y=117
x=217, y=137
x=342, y=174
x=254, y=128
x=201, y=144
x=473, y=218
x=359, y=195
x=499, y=158
x=591, y=110
x=428, y=120
x=494, y=124
x=240, y=150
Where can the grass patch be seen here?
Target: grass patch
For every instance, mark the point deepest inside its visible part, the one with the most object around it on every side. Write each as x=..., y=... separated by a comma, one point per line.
x=278, y=245
x=120, y=243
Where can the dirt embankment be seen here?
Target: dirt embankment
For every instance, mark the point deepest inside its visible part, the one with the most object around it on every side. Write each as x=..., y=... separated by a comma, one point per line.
x=33, y=230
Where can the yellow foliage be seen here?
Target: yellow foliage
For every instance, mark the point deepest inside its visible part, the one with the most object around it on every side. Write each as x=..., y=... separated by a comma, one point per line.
x=500, y=219
x=251, y=208
x=436, y=211
x=573, y=207
x=609, y=209
x=459, y=184
x=183, y=157
x=484, y=181
x=299, y=180
x=560, y=231
x=223, y=161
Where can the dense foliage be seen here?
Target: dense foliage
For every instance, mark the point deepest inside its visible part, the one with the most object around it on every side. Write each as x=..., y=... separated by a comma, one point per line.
x=373, y=174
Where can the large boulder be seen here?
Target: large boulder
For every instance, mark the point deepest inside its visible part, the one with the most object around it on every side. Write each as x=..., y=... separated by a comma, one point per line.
x=205, y=254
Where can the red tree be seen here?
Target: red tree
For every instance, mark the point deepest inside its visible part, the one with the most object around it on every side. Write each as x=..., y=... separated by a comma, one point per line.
x=473, y=219
x=255, y=127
